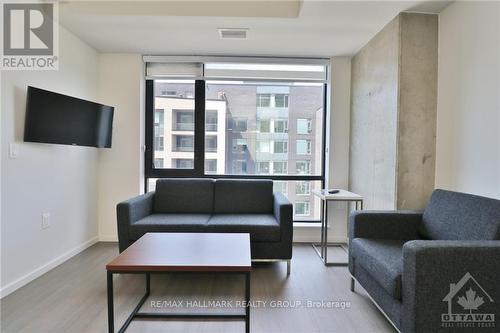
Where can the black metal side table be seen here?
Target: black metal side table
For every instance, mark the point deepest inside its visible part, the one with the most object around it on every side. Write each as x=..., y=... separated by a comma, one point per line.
x=326, y=197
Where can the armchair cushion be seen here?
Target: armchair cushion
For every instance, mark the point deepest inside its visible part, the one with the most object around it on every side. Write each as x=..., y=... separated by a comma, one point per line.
x=461, y=216
x=401, y=225
x=382, y=259
x=262, y=227
x=169, y=223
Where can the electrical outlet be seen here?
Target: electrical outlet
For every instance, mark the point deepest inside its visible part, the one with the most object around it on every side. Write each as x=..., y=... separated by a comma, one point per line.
x=45, y=220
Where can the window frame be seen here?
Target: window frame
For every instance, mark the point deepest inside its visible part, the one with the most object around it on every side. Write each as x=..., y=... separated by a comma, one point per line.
x=199, y=145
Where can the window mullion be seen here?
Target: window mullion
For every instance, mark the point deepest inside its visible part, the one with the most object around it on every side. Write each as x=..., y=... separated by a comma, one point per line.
x=199, y=128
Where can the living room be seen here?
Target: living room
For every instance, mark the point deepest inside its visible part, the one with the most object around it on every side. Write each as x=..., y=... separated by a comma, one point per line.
x=257, y=166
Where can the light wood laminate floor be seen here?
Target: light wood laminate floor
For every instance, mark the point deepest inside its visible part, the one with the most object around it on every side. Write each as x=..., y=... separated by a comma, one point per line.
x=72, y=298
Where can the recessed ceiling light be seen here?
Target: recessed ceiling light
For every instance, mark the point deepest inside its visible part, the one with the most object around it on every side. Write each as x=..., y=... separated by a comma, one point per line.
x=233, y=33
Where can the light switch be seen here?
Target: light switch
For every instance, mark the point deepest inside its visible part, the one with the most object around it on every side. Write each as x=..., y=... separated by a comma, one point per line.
x=13, y=150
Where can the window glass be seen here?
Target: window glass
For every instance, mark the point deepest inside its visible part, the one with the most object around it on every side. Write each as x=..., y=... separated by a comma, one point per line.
x=251, y=128
x=173, y=133
x=280, y=168
x=303, y=167
x=304, y=126
x=263, y=146
x=264, y=125
x=240, y=125
x=280, y=126
x=263, y=100
x=280, y=147
x=303, y=147
x=303, y=188
x=281, y=100
x=302, y=208
x=240, y=145
x=263, y=167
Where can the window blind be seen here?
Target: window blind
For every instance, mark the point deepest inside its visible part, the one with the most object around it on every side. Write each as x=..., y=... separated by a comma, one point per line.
x=237, y=68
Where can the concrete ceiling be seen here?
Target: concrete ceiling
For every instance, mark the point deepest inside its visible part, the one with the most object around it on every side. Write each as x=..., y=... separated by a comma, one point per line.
x=276, y=28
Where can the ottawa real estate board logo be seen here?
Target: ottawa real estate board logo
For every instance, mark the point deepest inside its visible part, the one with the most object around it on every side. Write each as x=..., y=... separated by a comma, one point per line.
x=469, y=305
x=29, y=36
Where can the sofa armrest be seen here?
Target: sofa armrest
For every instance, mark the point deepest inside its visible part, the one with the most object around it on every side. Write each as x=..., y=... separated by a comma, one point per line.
x=429, y=270
x=130, y=211
x=384, y=224
x=283, y=212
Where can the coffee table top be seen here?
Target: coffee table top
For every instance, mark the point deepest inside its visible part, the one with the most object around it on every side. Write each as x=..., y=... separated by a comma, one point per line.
x=186, y=252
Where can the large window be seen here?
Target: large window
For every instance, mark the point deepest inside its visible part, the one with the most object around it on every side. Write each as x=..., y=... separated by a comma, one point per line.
x=241, y=128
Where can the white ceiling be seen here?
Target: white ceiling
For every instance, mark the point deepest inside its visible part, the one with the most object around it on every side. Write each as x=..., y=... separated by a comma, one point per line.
x=321, y=28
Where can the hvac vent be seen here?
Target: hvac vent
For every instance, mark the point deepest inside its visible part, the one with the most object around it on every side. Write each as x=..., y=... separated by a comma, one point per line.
x=232, y=33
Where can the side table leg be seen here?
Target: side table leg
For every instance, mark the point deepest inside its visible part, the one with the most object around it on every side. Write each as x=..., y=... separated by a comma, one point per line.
x=247, y=302
x=326, y=233
x=111, y=319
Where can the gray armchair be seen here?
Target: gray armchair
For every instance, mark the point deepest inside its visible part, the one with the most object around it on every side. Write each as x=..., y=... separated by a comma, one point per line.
x=431, y=271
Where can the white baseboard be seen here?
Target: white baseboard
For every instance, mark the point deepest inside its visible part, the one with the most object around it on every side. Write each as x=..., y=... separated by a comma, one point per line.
x=24, y=280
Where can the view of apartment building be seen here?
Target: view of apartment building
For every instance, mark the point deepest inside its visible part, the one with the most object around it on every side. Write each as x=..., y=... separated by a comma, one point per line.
x=250, y=128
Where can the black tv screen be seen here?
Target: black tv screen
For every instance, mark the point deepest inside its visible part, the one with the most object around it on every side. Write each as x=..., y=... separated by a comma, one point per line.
x=62, y=119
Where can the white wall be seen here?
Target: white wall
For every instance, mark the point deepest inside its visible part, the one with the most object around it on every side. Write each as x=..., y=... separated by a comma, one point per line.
x=58, y=179
x=121, y=84
x=468, y=121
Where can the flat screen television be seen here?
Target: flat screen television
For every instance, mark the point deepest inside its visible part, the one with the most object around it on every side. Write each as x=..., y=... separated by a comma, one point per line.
x=62, y=119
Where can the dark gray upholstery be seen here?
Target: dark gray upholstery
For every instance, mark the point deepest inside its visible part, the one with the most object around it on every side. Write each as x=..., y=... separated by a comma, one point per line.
x=392, y=306
x=431, y=266
x=243, y=196
x=409, y=277
x=187, y=205
x=382, y=258
x=127, y=212
x=385, y=224
x=261, y=227
x=169, y=223
x=175, y=195
x=475, y=218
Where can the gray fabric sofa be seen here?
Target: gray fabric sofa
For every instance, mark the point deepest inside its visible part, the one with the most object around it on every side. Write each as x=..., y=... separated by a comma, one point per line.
x=419, y=267
x=208, y=205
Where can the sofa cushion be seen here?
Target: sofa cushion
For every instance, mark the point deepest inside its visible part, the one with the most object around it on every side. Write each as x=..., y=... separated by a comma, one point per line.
x=460, y=216
x=169, y=223
x=184, y=196
x=382, y=259
x=261, y=227
x=243, y=196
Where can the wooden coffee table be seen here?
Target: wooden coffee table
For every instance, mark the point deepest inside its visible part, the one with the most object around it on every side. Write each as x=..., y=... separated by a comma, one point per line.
x=182, y=252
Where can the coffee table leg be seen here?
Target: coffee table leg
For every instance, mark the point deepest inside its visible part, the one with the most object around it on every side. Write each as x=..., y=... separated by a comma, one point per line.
x=247, y=299
x=111, y=319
